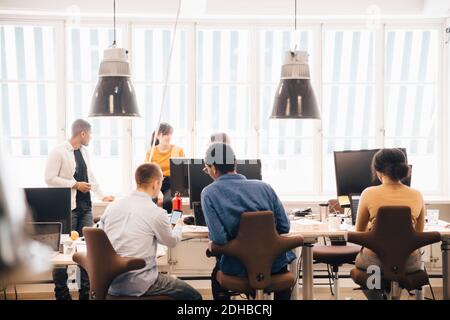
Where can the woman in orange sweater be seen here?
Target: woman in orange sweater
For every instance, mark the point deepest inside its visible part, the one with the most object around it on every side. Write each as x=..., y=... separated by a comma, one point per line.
x=162, y=154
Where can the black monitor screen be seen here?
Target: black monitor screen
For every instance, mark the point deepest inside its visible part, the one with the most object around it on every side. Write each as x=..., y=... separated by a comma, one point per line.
x=179, y=178
x=251, y=169
x=353, y=171
x=198, y=179
x=50, y=205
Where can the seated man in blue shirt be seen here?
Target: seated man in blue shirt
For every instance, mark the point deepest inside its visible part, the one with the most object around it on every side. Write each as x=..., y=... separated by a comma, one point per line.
x=223, y=202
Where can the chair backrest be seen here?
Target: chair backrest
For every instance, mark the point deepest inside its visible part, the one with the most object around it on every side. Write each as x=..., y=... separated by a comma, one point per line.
x=393, y=238
x=102, y=262
x=257, y=245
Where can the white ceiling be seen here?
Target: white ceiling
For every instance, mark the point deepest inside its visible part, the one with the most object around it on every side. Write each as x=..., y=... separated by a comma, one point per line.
x=277, y=8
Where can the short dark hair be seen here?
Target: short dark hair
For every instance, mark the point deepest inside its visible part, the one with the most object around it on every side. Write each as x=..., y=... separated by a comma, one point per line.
x=164, y=129
x=146, y=173
x=222, y=156
x=392, y=163
x=79, y=126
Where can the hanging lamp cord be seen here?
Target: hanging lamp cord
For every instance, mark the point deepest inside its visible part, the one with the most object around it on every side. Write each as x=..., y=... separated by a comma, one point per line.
x=295, y=28
x=114, y=21
x=295, y=18
x=152, y=149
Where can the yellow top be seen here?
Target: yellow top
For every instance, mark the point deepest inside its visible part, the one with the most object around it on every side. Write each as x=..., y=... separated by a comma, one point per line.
x=389, y=194
x=163, y=158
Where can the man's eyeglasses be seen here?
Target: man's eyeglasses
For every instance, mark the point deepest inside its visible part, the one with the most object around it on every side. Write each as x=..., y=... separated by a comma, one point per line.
x=205, y=170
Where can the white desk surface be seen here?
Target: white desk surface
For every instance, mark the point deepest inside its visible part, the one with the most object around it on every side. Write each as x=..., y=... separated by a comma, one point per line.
x=202, y=232
x=66, y=260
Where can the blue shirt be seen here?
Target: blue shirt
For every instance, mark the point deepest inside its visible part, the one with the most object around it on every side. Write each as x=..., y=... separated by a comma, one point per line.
x=225, y=200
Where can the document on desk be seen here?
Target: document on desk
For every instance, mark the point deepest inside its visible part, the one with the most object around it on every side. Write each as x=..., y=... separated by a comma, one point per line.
x=305, y=225
x=194, y=229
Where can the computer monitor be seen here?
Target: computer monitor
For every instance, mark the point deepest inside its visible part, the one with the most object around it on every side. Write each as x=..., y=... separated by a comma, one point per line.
x=199, y=217
x=353, y=171
x=51, y=205
x=198, y=179
x=48, y=233
x=179, y=176
x=251, y=168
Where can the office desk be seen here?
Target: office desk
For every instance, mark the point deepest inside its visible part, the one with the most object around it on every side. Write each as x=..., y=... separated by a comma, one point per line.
x=62, y=260
x=311, y=237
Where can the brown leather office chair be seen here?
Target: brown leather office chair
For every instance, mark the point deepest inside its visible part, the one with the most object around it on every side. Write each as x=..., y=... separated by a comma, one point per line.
x=335, y=255
x=257, y=245
x=103, y=264
x=393, y=239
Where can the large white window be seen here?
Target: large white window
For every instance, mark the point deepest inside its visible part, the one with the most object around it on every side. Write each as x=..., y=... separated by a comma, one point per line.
x=223, y=95
x=376, y=88
x=151, y=47
x=412, y=102
x=348, y=109
x=28, y=98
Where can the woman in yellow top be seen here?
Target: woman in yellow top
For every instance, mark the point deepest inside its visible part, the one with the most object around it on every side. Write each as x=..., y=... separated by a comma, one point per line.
x=390, y=167
x=164, y=150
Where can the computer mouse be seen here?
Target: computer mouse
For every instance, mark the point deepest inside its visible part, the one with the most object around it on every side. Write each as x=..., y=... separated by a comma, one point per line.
x=189, y=220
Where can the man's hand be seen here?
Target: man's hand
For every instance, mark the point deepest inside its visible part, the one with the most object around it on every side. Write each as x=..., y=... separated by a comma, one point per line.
x=108, y=199
x=83, y=186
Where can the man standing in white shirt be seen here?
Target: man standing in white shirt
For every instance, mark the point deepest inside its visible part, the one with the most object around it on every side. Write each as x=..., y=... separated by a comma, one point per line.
x=135, y=225
x=68, y=165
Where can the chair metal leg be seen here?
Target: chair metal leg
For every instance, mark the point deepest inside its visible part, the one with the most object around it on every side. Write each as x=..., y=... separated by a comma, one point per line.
x=336, y=284
x=419, y=294
x=259, y=295
x=396, y=291
x=269, y=296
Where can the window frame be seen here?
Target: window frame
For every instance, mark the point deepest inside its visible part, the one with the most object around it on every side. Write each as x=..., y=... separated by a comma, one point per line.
x=255, y=27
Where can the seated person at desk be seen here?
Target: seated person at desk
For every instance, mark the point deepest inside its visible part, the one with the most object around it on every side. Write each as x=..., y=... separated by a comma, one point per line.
x=164, y=150
x=390, y=167
x=223, y=202
x=134, y=225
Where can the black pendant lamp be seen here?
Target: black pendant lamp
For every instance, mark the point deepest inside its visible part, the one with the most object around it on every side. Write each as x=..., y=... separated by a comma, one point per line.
x=295, y=98
x=114, y=95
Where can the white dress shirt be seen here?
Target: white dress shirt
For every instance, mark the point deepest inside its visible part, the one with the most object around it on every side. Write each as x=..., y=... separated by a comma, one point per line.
x=61, y=166
x=135, y=225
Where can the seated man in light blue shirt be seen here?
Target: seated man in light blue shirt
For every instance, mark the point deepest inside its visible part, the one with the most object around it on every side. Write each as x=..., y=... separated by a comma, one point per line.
x=223, y=202
x=135, y=225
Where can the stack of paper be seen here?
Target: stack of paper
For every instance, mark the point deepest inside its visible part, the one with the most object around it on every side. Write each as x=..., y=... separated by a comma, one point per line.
x=304, y=225
x=191, y=228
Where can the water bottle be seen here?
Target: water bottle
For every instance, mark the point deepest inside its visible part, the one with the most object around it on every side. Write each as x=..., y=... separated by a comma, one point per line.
x=176, y=202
